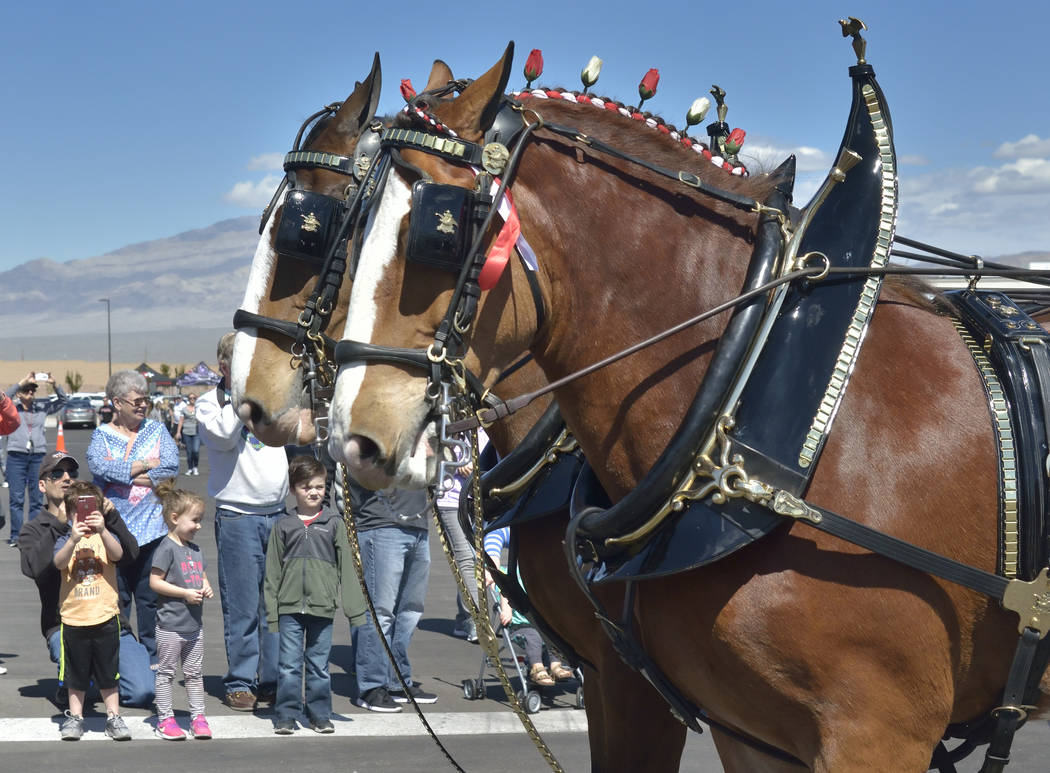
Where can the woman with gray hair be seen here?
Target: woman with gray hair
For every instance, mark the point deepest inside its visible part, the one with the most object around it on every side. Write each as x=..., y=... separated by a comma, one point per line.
x=128, y=457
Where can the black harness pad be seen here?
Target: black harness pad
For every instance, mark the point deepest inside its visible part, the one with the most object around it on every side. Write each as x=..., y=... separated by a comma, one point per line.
x=440, y=225
x=1017, y=349
x=307, y=220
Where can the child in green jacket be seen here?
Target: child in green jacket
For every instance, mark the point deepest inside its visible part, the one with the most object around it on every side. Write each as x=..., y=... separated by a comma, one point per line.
x=307, y=561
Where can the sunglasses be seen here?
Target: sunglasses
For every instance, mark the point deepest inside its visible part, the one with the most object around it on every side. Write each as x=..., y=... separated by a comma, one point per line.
x=142, y=402
x=58, y=472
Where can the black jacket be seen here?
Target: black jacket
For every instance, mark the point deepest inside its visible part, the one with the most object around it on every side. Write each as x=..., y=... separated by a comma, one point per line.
x=37, y=541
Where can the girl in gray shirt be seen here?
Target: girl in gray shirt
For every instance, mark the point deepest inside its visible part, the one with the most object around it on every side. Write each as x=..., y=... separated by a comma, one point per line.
x=181, y=584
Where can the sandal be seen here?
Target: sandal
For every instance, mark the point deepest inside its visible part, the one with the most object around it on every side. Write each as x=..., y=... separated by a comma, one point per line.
x=538, y=675
x=560, y=672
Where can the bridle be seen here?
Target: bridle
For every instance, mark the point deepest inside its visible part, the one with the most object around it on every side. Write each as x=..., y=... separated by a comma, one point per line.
x=315, y=228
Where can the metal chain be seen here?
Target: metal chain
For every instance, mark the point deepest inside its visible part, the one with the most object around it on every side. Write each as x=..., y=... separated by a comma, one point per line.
x=355, y=551
x=486, y=637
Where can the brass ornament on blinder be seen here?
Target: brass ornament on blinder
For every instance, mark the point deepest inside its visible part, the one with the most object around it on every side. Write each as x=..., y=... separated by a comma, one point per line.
x=446, y=222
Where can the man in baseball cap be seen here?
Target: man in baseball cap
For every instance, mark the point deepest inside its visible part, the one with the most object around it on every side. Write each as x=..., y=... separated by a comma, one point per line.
x=37, y=540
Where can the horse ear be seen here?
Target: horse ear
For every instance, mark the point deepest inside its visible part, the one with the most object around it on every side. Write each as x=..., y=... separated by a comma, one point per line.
x=480, y=101
x=360, y=107
x=440, y=75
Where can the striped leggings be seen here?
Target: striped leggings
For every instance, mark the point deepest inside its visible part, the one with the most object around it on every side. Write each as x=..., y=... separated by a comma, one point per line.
x=173, y=647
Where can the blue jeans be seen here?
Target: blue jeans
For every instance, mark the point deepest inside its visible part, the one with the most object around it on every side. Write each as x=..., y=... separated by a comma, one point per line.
x=137, y=679
x=397, y=567
x=251, y=650
x=23, y=469
x=133, y=582
x=317, y=632
x=193, y=450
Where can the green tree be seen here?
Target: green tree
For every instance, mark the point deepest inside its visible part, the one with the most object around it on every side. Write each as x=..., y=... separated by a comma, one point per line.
x=165, y=369
x=74, y=380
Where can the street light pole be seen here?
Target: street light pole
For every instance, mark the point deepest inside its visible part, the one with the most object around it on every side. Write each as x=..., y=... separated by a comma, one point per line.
x=109, y=337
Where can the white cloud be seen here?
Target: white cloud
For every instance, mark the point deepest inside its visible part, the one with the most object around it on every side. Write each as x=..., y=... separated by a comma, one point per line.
x=972, y=211
x=913, y=160
x=1029, y=146
x=1025, y=175
x=253, y=195
x=267, y=162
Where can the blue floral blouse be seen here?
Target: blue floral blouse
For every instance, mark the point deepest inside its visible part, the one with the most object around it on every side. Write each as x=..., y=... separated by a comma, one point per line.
x=110, y=461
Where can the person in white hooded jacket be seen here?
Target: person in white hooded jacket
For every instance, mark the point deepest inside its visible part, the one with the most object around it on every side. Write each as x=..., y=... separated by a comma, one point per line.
x=249, y=482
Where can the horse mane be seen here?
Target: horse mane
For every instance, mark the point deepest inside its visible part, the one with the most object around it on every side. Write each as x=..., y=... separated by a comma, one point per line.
x=662, y=145
x=915, y=292
x=636, y=138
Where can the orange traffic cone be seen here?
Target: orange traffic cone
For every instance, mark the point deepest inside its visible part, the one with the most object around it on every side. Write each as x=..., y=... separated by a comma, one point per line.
x=60, y=442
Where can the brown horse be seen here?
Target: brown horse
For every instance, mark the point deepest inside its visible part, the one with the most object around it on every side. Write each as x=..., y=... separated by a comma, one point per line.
x=272, y=398
x=846, y=660
x=620, y=705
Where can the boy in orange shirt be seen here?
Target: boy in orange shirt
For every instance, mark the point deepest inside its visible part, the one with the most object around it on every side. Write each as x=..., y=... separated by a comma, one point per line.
x=87, y=559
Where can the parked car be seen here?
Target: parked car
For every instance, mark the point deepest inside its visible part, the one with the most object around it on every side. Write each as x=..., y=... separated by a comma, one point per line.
x=79, y=413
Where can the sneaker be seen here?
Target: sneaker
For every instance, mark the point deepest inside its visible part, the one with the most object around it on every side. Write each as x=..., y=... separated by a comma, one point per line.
x=413, y=690
x=377, y=699
x=73, y=728
x=284, y=726
x=240, y=700
x=12, y=543
x=3, y=670
x=266, y=695
x=464, y=629
x=196, y=472
x=324, y=726
x=169, y=730
x=199, y=728
x=117, y=728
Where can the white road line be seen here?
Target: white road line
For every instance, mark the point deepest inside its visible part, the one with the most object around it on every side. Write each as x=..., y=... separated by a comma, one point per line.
x=20, y=729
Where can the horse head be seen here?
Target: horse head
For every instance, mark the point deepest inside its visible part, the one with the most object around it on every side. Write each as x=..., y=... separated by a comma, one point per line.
x=382, y=418
x=611, y=236
x=294, y=298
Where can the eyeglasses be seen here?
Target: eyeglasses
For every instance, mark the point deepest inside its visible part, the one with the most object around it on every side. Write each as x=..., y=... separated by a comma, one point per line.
x=142, y=402
x=57, y=473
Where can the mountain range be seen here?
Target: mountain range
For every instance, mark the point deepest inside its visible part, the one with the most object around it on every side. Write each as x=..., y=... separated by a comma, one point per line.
x=170, y=299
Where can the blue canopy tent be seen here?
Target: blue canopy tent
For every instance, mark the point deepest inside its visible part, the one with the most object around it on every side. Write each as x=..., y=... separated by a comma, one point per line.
x=198, y=375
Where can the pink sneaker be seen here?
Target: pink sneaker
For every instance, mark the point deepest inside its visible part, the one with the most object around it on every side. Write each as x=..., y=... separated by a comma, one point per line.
x=169, y=730
x=199, y=728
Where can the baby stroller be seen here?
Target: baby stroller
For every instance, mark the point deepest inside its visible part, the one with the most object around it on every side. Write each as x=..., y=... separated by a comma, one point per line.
x=529, y=696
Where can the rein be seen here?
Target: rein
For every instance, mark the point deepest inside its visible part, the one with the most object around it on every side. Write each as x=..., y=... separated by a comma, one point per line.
x=486, y=416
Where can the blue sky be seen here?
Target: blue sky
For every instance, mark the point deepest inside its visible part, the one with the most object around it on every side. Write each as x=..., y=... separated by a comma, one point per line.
x=131, y=121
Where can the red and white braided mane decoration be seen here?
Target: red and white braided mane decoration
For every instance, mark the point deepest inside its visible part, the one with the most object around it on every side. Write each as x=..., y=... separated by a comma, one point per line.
x=586, y=99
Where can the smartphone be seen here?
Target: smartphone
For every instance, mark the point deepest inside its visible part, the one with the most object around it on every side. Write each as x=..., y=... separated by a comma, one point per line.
x=41, y=376
x=85, y=507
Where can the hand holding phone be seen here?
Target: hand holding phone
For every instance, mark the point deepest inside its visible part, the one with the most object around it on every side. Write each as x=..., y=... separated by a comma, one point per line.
x=86, y=505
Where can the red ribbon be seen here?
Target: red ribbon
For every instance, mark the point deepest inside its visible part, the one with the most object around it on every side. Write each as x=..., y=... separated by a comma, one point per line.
x=499, y=253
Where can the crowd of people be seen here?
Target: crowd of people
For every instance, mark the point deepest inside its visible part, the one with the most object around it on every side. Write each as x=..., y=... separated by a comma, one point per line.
x=122, y=546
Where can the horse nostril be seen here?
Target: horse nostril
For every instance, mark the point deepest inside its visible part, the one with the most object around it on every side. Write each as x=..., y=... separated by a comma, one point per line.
x=250, y=412
x=366, y=447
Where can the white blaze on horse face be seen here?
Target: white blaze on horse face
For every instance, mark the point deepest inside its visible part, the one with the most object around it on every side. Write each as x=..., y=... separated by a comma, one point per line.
x=258, y=280
x=378, y=251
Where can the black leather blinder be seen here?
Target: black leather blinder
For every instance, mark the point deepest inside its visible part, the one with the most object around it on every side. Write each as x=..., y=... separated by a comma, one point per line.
x=308, y=220
x=441, y=225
